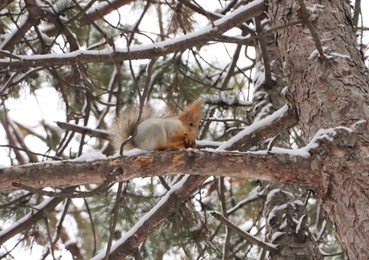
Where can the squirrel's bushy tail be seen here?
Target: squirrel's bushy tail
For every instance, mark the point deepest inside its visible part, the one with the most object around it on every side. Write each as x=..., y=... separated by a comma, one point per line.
x=124, y=125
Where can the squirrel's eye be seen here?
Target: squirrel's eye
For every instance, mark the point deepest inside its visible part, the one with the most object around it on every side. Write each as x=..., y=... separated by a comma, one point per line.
x=190, y=124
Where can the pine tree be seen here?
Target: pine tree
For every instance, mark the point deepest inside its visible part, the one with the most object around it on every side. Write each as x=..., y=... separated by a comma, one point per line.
x=281, y=158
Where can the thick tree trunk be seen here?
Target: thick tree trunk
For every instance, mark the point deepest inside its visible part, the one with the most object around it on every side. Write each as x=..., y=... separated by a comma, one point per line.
x=286, y=225
x=330, y=90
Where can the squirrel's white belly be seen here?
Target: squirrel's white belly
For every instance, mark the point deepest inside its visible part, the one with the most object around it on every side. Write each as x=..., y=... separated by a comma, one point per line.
x=155, y=132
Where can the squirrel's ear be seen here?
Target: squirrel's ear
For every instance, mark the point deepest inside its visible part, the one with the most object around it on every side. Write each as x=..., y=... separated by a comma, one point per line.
x=193, y=111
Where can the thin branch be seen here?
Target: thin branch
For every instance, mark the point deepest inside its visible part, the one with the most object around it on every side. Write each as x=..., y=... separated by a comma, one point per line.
x=11, y=250
x=227, y=239
x=211, y=16
x=243, y=234
x=263, y=129
x=9, y=55
x=140, y=52
x=304, y=14
x=115, y=219
x=103, y=134
x=37, y=213
x=135, y=28
x=18, y=202
x=26, y=23
x=30, y=152
x=9, y=130
x=264, y=53
x=49, y=237
x=103, y=10
x=58, y=228
x=248, y=40
x=92, y=226
x=231, y=68
x=164, y=183
x=88, y=15
x=246, y=201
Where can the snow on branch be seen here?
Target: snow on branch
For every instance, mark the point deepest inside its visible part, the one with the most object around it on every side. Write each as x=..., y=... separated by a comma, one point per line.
x=269, y=126
x=140, y=52
x=276, y=164
x=103, y=134
x=270, y=167
x=38, y=212
x=178, y=194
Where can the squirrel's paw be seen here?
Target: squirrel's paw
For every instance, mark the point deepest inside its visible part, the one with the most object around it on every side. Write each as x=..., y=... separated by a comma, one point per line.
x=189, y=142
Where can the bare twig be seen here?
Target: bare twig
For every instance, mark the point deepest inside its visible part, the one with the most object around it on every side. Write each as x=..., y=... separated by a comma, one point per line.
x=28, y=151
x=243, y=234
x=221, y=194
x=164, y=183
x=304, y=15
x=115, y=219
x=103, y=134
x=231, y=67
x=49, y=237
x=135, y=28
x=92, y=226
x=244, y=202
x=264, y=53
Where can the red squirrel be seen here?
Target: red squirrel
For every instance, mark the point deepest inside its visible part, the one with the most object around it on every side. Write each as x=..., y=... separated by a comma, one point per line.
x=157, y=130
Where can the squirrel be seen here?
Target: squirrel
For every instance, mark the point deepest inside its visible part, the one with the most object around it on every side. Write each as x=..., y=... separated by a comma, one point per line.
x=157, y=129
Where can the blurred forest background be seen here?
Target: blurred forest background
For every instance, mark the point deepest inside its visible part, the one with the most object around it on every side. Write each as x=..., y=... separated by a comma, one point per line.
x=45, y=106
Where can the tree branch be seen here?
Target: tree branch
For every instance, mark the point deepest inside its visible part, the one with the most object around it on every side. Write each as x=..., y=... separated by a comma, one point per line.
x=140, y=52
x=41, y=211
x=269, y=126
x=244, y=234
x=282, y=167
x=103, y=134
x=170, y=203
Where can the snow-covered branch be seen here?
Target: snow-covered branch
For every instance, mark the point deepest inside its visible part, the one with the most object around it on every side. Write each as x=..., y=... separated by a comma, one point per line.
x=140, y=52
x=265, y=128
x=170, y=203
x=283, y=166
x=35, y=215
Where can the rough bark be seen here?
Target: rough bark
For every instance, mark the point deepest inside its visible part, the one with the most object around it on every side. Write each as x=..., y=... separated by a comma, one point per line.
x=283, y=167
x=286, y=223
x=331, y=90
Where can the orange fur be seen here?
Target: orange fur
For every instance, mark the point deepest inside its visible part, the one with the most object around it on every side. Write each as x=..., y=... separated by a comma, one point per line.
x=160, y=133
